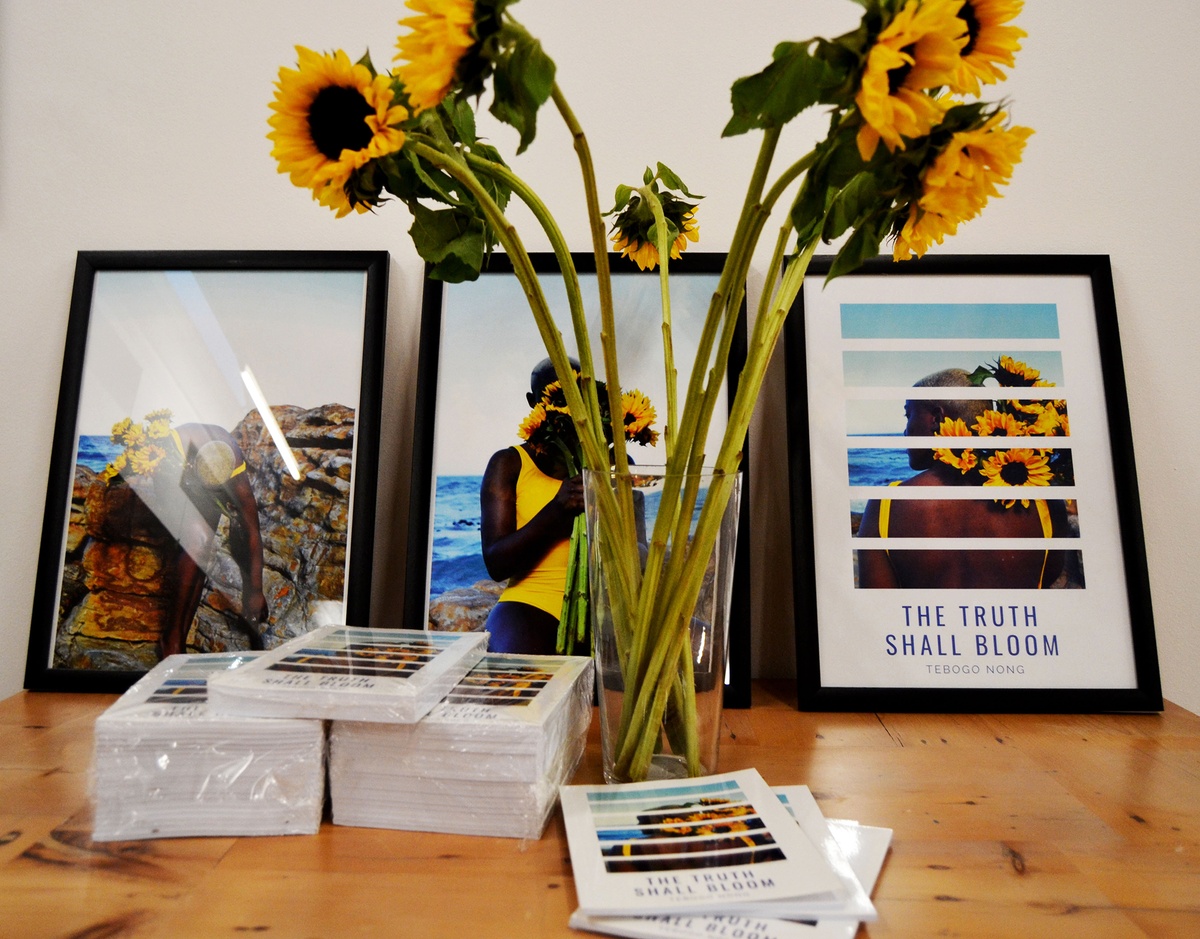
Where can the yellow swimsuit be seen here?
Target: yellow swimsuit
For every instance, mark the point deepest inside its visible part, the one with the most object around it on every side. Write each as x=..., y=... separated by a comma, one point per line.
x=544, y=585
x=1043, y=510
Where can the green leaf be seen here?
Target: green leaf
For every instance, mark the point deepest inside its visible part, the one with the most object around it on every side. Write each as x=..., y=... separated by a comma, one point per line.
x=794, y=81
x=449, y=240
x=366, y=60
x=522, y=82
x=462, y=119
x=436, y=184
x=672, y=181
x=620, y=199
x=854, y=202
x=862, y=245
x=499, y=192
x=980, y=375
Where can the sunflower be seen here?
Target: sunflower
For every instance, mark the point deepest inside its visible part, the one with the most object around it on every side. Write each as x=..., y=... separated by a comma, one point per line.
x=1048, y=423
x=441, y=34
x=113, y=469
x=639, y=416
x=1018, y=467
x=533, y=423
x=999, y=424
x=554, y=398
x=918, y=49
x=962, y=460
x=1033, y=408
x=959, y=182
x=135, y=436
x=638, y=246
x=953, y=427
x=120, y=429
x=332, y=117
x=159, y=427
x=145, y=459
x=1013, y=374
x=989, y=42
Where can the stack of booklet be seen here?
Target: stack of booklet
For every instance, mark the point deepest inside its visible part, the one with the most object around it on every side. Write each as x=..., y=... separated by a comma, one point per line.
x=348, y=673
x=719, y=855
x=488, y=760
x=167, y=765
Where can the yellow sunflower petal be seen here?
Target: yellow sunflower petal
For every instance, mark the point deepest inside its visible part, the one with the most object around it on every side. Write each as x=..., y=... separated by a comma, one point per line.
x=990, y=42
x=439, y=36
x=917, y=50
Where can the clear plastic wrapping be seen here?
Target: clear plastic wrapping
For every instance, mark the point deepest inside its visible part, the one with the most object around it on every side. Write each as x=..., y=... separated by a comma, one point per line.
x=167, y=765
x=487, y=760
x=348, y=673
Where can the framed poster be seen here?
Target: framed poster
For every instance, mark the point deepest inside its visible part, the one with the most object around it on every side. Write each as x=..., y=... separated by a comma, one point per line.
x=1003, y=569
x=479, y=346
x=212, y=480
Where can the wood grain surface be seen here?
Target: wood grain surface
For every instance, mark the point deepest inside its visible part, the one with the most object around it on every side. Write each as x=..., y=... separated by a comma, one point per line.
x=1005, y=826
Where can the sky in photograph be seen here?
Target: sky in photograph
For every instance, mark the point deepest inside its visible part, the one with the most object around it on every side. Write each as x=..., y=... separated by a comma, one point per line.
x=949, y=321
x=902, y=368
x=490, y=344
x=180, y=340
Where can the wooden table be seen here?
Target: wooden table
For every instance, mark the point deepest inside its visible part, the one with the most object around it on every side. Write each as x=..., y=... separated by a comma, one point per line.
x=1007, y=826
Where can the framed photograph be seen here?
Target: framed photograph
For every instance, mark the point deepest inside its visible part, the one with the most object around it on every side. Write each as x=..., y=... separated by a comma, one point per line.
x=216, y=446
x=1004, y=569
x=479, y=349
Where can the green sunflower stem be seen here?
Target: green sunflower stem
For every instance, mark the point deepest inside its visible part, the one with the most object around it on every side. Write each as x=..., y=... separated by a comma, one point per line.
x=663, y=237
x=624, y=525
x=677, y=586
x=590, y=435
x=572, y=623
x=562, y=254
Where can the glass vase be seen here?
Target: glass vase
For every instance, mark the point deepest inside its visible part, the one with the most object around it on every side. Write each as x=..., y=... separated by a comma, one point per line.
x=661, y=552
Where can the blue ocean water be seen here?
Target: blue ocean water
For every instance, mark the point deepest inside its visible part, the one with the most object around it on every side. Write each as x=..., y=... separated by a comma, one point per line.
x=877, y=466
x=96, y=451
x=456, y=553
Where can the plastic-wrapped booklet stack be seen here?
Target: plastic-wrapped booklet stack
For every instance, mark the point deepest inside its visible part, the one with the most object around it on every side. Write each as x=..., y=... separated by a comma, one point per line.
x=348, y=673
x=488, y=760
x=166, y=765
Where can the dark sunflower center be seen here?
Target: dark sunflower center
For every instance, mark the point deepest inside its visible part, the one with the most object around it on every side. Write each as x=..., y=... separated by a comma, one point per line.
x=967, y=14
x=1015, y=474
x=336, y=121
x=897, y=75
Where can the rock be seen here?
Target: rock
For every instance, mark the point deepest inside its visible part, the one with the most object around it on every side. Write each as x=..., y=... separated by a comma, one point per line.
x=119, y=558
x=464, y=609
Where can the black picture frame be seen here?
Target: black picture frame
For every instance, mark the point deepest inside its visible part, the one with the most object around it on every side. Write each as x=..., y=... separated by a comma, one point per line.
x=919, y=645
x=201, y=333
x=498, y=290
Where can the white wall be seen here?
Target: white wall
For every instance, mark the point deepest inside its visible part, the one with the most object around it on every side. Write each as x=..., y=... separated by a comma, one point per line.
x=134, y=124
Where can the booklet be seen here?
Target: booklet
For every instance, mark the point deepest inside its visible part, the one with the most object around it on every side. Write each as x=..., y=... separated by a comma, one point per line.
x=709, y=845
x=487, y=760
x=349, y=673
x=510, y=718
x=862, y=847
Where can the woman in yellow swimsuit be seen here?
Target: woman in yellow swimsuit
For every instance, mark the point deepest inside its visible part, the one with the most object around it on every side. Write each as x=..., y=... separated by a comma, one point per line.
x=528, y=507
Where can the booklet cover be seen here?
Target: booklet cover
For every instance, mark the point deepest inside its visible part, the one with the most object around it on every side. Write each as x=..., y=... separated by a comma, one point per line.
x=176, y=687
x=861, y=847
x=349, y=673
x=512, y=689
x=703, y=845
